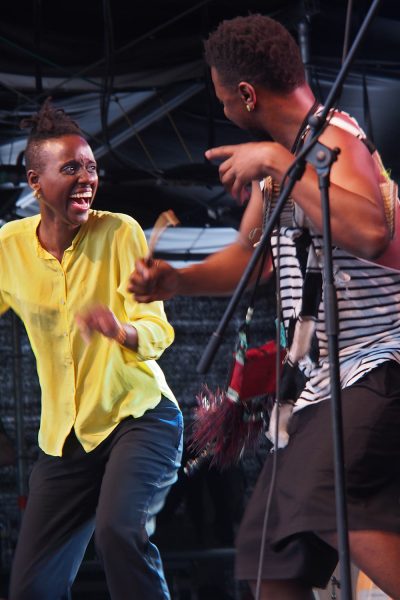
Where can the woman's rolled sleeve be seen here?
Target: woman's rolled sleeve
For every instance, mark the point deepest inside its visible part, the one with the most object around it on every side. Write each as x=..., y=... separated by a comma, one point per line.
x=153, y=338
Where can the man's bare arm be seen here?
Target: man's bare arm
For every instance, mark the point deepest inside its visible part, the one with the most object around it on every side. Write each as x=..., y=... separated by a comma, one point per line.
x=216, y=275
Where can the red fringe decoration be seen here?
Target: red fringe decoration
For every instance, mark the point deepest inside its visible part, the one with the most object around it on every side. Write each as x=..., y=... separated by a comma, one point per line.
x=223, y=429
x=228, y=422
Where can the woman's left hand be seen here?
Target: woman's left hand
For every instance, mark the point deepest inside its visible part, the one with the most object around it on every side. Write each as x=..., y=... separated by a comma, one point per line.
x=98, y=318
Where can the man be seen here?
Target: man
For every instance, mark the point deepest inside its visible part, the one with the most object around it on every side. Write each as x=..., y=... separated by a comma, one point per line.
x=259, y=78
x=111, y=431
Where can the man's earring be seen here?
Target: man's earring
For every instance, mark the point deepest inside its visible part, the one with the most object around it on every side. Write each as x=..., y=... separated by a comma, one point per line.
x=37, y=195
x=249, y=108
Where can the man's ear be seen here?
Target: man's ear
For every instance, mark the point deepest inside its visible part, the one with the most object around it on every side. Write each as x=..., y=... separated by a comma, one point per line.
x=248, y=95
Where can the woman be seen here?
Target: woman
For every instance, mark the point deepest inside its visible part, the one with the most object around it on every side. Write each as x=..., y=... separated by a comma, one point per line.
x=111, y=431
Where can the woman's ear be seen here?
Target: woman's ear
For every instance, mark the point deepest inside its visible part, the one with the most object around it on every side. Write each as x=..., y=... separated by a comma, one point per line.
x=33, y=179
x=248, y=95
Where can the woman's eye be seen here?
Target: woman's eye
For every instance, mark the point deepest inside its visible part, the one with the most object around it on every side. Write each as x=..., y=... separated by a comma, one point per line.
x=73, y=169
x=69, y=169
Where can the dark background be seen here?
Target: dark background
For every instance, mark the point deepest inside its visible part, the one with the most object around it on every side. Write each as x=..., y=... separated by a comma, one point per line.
x=132, y=74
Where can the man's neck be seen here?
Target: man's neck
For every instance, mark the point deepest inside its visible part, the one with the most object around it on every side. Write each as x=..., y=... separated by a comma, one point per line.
x=285, y=114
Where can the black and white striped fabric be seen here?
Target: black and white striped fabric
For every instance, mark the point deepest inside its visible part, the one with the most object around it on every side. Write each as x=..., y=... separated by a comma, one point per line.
x=368, y=311
x=368, y=298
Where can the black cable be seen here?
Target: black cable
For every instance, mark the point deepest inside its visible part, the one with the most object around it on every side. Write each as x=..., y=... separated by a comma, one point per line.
x=347, y=29
x=108, y=71
x=107, y=90
x=367, y=110
x=38, y=39
x=149, y=34
x=278, y=369
x=276, y=432
x=308, y=144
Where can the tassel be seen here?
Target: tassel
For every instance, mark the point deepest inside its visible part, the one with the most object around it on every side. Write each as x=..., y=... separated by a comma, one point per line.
x=224, y=428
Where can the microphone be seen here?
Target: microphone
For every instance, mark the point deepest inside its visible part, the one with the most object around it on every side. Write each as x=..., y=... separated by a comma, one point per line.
x=303, y=31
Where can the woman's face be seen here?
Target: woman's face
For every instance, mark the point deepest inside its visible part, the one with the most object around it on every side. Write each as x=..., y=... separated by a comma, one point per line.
x=67, y=180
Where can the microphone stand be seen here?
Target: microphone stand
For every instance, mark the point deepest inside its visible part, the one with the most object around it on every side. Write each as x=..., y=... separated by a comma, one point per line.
x=321, y=158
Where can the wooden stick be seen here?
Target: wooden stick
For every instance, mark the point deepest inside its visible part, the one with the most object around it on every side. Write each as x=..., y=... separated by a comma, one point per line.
x=166, y=219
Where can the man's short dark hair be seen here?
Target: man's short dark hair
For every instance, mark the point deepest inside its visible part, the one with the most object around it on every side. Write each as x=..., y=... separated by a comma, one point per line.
x=256, y=49
x=49, y=122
